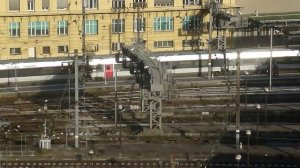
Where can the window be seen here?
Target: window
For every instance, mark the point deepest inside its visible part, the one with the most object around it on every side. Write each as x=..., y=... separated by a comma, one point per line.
x=30, y=5
x=118, y=25
x=139, y=24
x=191, y=2
x=15, y=51
x=163, y=24
x=139, y=3
x=38, y=28
x=118, y=3
x=46, y=50
x=62, y=27
x=62, y=4
x=191, y=22
x=192, y=43
x=45, y=4
x=62, y=49
x=163, y=2
x=163, y=44
x=91, y=27
x=14, y=5
x=117, y=46
x=219, y=1
x=14, y=29
x=92, y=48
x=91, y=4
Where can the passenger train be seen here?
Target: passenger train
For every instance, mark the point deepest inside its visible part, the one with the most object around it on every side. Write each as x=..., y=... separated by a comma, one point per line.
x=179, y=64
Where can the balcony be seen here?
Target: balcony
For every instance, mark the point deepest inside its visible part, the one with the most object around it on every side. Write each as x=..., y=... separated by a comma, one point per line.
x=163, y=3
x=140, y=5
x=118, y=8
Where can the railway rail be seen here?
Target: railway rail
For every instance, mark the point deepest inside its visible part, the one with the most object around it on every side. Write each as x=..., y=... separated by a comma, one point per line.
x=99, y=164
x=184, y=122
x=139, y=164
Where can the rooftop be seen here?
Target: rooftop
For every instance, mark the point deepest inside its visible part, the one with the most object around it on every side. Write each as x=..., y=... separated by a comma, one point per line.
x=295, y=16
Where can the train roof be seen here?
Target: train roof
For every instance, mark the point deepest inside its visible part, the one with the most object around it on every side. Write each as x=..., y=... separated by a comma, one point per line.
x=203, y=52
x=230, y=54
x=161, y=56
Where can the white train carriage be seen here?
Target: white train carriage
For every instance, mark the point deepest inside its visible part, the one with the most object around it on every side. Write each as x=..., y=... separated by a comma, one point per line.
x=194, y=63
x=177, y=63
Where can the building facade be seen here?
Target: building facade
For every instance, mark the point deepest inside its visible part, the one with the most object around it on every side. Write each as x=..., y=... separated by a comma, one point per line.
x=259, y=7
x=53, y=28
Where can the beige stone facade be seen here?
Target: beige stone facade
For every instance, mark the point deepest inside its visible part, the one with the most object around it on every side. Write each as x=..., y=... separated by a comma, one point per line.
x=52, y=28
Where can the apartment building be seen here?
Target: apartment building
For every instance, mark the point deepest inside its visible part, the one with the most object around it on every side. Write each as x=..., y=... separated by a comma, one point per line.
x=53, y=28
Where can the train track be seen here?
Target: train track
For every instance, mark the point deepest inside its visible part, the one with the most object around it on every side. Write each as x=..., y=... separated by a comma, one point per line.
x=230, y=163
x=99, y=164
x=180, y=119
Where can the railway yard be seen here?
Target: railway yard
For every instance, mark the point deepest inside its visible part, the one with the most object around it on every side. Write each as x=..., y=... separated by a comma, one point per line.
x=198, y=126
x=149, y=84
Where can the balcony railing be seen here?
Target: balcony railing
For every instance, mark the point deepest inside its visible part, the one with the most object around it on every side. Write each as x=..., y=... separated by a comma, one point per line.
x=141, y=5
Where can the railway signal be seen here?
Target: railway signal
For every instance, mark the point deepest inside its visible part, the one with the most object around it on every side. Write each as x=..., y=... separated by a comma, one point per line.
x=152, y=78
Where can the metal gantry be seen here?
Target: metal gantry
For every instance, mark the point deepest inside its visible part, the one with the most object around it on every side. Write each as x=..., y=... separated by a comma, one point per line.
x=222, y=40
x=76, y=101
x=152, y=104
x=152, y=79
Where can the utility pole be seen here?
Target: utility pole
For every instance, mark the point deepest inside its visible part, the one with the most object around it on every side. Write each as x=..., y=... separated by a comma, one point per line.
x=210, y=39
x=83, y=31
x=115, y=69
x=237, y=114
x=16, y=77
x=138, y=22
x=76, y=99
x=271, y=56
x=116, y=98
x=83, y=70
x=69, y=81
